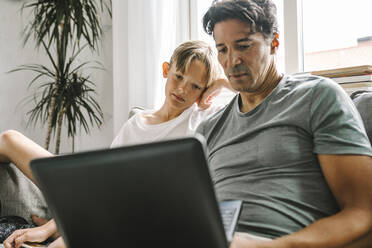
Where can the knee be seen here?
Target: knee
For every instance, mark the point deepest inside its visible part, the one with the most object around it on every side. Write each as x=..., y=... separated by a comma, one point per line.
x=8, y=136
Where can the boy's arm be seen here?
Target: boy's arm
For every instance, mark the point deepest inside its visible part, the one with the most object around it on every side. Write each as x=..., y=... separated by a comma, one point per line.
x=20, y=150
x=212, y=91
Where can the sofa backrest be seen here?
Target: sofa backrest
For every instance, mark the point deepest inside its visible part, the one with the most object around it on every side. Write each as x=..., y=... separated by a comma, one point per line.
x=363, y=102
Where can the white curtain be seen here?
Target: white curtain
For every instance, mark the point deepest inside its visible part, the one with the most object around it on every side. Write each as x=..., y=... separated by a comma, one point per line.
x=145, y=32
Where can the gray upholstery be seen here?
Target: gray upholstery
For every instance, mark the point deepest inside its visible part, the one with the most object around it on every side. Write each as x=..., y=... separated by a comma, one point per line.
x=363, y=102
x=18, y=195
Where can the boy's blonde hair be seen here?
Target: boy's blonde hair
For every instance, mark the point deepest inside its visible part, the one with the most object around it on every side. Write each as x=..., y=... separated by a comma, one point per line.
x=200, y=50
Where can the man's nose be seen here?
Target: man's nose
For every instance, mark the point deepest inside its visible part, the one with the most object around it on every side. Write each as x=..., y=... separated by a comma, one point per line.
x=234, y=59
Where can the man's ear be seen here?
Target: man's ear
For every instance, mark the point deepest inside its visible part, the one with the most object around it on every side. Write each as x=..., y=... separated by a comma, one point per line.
x=275, y=43
x=165, y=69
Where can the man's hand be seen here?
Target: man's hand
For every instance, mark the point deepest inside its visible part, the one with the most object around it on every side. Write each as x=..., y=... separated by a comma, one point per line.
x=242, y=241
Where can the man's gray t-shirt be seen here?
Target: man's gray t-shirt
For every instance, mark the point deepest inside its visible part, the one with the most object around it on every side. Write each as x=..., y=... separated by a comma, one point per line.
x=268, y=156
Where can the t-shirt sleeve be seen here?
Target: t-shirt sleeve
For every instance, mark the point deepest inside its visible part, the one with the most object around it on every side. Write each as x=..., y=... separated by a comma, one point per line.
x=335, y=122
x=122, y=136
x=118, y=138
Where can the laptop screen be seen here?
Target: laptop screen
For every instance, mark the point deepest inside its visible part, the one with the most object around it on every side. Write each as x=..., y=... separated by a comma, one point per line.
x=136, y=196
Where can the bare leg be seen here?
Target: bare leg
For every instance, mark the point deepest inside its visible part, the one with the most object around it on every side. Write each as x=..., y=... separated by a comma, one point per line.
x=20, y=150
x=58, y=243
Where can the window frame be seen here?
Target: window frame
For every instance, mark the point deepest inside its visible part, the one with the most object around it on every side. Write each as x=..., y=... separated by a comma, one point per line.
x=293, y=36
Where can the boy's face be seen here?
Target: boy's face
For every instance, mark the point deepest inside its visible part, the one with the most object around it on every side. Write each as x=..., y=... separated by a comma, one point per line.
x=184, y=89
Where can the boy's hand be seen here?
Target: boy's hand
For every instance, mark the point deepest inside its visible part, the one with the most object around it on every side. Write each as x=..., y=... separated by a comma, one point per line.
x=39, y=221
x=212, y=91
x=18, y=237
x=36, y=234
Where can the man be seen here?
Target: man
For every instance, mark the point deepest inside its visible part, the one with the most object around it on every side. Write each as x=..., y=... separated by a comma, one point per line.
x=293, y=148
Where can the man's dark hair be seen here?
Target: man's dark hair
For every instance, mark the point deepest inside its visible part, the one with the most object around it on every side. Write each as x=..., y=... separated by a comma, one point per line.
x=259, y=14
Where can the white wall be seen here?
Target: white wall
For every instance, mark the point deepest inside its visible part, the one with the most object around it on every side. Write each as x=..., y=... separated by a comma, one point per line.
x=145, y=33
x=13, y=87
x=120, y=66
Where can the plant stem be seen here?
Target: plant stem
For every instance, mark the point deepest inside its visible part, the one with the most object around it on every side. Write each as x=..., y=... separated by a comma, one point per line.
x=50, y=117
x=59, y=127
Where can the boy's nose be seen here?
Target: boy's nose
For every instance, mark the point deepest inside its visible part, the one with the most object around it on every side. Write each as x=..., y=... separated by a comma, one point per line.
x=182, y=86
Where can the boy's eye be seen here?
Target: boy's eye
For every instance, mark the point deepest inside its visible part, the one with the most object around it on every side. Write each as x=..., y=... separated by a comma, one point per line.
x=179, y=77
x=196, y=87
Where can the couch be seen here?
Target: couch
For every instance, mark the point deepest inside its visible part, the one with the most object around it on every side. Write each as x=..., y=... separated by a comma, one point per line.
x=19, y=196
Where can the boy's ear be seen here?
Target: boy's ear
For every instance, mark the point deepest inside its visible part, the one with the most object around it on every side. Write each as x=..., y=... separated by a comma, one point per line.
x=165, y=69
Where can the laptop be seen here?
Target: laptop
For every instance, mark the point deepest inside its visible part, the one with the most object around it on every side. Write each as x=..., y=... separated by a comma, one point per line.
x=149, y=195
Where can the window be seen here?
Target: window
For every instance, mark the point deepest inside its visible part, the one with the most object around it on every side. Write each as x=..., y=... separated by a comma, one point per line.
x=336, y=33
x=314, y=35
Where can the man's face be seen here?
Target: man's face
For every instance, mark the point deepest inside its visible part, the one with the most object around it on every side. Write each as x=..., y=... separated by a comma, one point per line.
x=184, y=89
x=245, y=56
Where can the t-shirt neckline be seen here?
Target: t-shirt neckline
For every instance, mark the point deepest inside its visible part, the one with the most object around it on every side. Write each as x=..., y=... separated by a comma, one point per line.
x=141, y=122
x=263, y=103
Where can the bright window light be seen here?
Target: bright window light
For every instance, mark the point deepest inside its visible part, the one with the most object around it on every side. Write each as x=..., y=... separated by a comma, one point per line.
x=336, y=33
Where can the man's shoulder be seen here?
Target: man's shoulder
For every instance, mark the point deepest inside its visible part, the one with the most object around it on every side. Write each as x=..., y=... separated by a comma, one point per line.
x=317, y=86
x=309, y=82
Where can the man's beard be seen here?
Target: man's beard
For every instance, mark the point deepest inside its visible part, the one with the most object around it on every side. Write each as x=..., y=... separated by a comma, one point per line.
x=241, y=87
x=239, y=69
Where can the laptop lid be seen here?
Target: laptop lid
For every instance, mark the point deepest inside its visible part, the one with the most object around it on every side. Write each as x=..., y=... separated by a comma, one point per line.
x=150, y=195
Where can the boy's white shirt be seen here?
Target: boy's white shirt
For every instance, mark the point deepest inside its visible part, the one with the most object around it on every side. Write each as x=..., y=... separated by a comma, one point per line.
x=136, y=131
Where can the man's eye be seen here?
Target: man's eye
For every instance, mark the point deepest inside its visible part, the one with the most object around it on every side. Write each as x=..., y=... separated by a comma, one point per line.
x=179, y=77
x=222, y=50
x=244, y=46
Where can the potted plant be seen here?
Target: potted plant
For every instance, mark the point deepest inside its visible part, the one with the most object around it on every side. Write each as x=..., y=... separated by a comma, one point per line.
x=63, y=29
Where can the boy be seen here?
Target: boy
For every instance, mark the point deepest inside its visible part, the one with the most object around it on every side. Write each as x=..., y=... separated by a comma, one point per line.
x=192, y=69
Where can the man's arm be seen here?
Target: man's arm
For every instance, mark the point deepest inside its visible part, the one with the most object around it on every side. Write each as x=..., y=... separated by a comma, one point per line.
x=363, y=242
x=349, y=178
x=20, y=150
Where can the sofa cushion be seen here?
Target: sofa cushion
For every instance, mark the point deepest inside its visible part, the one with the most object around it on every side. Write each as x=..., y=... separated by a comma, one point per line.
x=19, y=196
